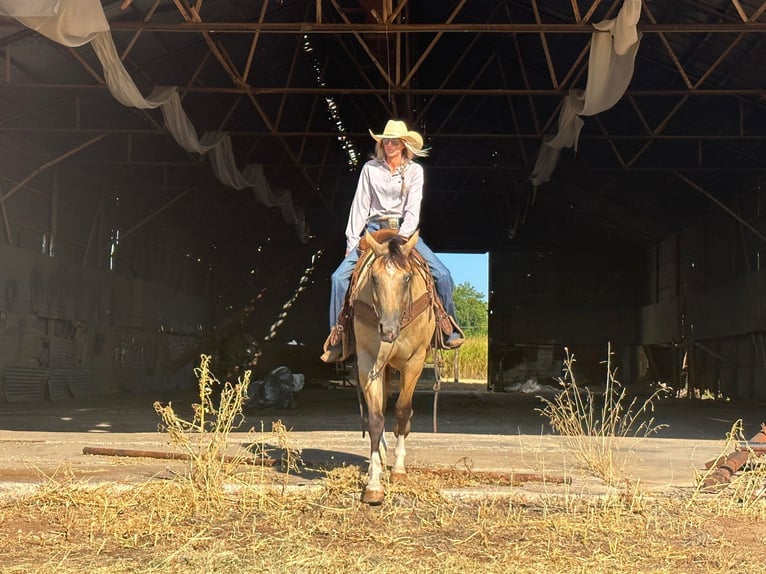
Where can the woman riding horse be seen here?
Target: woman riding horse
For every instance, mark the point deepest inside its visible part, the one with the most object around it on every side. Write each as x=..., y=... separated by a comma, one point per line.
x=388, y=196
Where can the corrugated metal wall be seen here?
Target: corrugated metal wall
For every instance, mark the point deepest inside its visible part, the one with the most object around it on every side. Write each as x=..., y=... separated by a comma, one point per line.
x=689, y=310
x=705, y=320
x=80, y=316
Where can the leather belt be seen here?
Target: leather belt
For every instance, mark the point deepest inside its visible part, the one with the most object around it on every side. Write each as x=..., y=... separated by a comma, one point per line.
x=387, y=222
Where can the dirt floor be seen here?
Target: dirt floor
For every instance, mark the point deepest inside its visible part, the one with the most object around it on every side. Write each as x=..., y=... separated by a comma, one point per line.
x=476, y=428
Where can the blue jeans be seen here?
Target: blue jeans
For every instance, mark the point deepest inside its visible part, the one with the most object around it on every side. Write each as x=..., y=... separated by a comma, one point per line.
x=342, y=275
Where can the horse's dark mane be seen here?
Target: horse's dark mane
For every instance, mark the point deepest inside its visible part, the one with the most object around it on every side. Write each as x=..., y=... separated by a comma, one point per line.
x=395, y=254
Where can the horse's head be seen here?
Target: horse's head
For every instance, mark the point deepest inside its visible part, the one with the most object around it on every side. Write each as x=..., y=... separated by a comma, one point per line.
x=390, y=277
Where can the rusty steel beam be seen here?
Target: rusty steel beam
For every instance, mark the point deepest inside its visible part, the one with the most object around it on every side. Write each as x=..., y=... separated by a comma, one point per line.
x=455, y=66
x=374, y=28
x=657, y=131
x=190, y=14
x=138, y=33
x=454, y=108
x=491, y=92
x=591, y=10
x=546, y=50
x=576, y=11
x=290, y=73
x=610, y=139
x=94, y=225
x=479, y=168
x=379, y=96
x=720, y=204
x=254, y=42
x=395, y=14
x=732, y=45
x=6, y=222
x=524, y=76
x=47, y=165
x=514, y=116
x=355, y=31
x=740, y=10
x=154, y=214
x=434, y=41
x=668, y=48
x=227, y=117
x=363, y=135
x=578, y=65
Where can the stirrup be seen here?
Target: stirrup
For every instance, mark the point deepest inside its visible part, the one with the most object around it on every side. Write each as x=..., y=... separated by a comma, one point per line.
x=455, y=339
x=334, y=345
x=332, y=354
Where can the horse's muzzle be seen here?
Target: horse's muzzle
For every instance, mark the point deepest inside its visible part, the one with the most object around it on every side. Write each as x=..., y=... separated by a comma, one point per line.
x=388, y=334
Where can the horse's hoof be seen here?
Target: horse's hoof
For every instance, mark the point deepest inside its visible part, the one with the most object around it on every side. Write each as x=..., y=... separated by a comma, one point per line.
x=398, y=476
x=373, y=496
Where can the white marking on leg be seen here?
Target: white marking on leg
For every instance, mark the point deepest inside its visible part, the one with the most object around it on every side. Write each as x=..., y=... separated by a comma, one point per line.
x=375, y=471
x=401, y=453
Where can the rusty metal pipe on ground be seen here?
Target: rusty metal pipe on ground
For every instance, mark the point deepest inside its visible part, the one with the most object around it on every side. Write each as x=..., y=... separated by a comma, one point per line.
x=104, y=451
x=727, y=466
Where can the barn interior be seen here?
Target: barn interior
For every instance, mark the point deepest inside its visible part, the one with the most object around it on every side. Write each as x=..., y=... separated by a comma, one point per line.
x=125, y=254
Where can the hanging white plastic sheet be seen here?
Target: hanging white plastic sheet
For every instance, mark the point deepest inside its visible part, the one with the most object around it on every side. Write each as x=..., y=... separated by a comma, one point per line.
x=78, y=22
x=611, y=61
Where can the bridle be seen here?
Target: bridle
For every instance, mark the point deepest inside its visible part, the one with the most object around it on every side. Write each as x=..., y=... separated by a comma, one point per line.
x=375, y=373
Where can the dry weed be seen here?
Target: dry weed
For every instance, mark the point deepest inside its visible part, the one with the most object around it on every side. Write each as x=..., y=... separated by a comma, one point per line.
x=206, y=437
x=594, y=425
x=156, y=527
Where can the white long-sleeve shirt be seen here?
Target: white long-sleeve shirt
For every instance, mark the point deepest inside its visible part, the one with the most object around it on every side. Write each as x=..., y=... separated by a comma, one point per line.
x=379, y=195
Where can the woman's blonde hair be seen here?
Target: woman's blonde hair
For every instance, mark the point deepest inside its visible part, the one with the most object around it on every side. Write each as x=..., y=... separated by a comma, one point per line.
x=409, y=152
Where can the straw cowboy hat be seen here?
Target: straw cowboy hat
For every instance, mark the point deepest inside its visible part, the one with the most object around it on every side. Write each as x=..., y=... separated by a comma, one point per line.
x=396, y=129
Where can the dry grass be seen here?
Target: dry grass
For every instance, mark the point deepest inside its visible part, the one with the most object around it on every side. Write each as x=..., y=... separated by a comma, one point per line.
x=594, y=425
x=206, y=437
x=156, y=526
x=471, y=360
x=245, y=519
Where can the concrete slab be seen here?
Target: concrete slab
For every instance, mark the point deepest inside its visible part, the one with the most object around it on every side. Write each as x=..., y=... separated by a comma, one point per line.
x=477, y=430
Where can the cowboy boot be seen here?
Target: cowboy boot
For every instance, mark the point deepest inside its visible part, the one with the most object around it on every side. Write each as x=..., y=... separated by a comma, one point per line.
x=456, y=338
x=333, y=346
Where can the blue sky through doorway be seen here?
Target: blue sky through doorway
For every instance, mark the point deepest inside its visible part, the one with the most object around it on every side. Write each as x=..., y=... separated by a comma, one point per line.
x=469, y=267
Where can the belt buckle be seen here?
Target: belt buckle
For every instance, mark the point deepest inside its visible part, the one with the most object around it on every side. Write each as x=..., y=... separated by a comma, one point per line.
x=393, y=223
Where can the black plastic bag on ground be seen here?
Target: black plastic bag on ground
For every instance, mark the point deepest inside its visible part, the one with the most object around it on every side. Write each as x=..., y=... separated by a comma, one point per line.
x=276, y=390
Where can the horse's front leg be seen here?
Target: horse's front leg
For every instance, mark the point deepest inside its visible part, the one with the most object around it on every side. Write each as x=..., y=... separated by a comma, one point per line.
x=372, y=380
x=410, y=374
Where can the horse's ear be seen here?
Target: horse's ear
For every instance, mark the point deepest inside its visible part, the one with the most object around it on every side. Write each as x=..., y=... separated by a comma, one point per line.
x=411, y=242
x=377, y=248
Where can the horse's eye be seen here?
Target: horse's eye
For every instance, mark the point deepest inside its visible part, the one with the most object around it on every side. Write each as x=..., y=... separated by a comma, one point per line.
x=407, y=277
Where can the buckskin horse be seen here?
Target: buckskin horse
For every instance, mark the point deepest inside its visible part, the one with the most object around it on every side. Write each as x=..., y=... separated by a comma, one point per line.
x=393, y=325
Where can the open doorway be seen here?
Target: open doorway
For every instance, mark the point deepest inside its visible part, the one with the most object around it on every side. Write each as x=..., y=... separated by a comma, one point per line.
x=470, y=271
